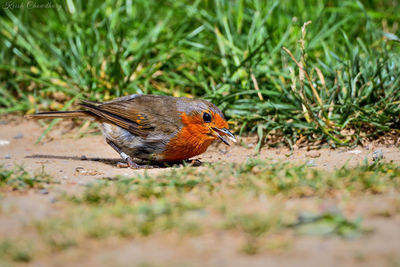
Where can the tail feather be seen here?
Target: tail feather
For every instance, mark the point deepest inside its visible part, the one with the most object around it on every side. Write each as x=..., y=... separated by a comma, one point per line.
x=60, y=114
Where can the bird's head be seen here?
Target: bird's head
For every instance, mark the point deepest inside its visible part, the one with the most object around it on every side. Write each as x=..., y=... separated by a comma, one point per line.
x=206, y=121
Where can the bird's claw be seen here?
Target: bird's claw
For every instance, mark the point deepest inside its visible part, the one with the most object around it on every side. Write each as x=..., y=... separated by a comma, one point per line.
x=129, y=163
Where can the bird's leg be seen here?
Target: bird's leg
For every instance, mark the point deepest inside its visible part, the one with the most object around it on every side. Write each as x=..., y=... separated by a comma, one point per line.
x=128, y=160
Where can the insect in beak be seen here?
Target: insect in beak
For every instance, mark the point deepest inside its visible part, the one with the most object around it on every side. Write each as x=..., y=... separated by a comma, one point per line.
x=223, y=134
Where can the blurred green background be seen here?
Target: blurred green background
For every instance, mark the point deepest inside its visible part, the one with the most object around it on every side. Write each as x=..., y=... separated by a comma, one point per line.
x=338, y=83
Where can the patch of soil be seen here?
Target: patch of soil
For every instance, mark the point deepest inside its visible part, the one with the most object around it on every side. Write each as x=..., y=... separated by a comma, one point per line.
x=76, y=161
x=64, y=155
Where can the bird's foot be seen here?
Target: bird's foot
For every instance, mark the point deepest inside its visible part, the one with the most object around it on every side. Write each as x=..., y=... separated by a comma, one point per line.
x=129, y=163
x=132, y=164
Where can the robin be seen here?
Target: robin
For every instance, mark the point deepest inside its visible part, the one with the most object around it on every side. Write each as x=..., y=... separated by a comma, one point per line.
x=154, y=128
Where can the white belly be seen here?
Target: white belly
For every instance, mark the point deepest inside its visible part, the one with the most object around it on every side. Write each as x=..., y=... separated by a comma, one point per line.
x=150, y=147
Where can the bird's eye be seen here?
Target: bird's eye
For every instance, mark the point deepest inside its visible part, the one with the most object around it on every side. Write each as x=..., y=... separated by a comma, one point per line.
x=206, y=117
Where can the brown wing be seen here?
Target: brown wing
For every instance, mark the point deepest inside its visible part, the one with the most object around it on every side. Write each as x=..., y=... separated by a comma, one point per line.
x=123, y=113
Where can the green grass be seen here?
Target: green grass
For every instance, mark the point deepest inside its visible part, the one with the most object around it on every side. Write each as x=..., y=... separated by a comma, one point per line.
x=245, y=200
x=15, y=250
x=18, y=179
x=338, y=83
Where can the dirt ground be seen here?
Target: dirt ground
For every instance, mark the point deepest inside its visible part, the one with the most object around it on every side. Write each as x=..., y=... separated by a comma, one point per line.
x=76, y=161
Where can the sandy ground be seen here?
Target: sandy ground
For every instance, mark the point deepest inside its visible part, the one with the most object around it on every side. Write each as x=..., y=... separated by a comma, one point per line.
x=77, y=161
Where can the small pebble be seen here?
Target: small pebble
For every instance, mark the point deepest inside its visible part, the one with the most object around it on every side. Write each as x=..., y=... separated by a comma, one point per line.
x=195, y=163
x=223, y=151
x=80, y=170
x=81, y=183
x=311, y=163
x=377, y=155
x=314, y=154
x=8, y=156
x=65, y=177
x=19, y=136
x=83, y=157
x=110, y=178
x=4, y=142
x=7, y=166
x=355, y=151
x=43, y=191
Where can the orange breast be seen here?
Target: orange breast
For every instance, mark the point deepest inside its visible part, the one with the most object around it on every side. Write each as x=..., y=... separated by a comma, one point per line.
x=192, y=140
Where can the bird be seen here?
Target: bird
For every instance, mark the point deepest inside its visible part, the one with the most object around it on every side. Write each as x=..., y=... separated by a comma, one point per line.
x=153, y=128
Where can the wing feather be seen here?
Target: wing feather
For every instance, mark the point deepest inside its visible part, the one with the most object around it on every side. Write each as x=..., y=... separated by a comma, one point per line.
x=122, y=114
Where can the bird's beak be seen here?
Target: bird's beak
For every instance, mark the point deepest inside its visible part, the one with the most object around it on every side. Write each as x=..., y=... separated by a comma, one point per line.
x=223, y=134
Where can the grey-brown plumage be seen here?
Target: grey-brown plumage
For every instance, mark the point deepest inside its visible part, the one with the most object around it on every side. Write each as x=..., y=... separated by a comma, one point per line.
x=140, y=126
